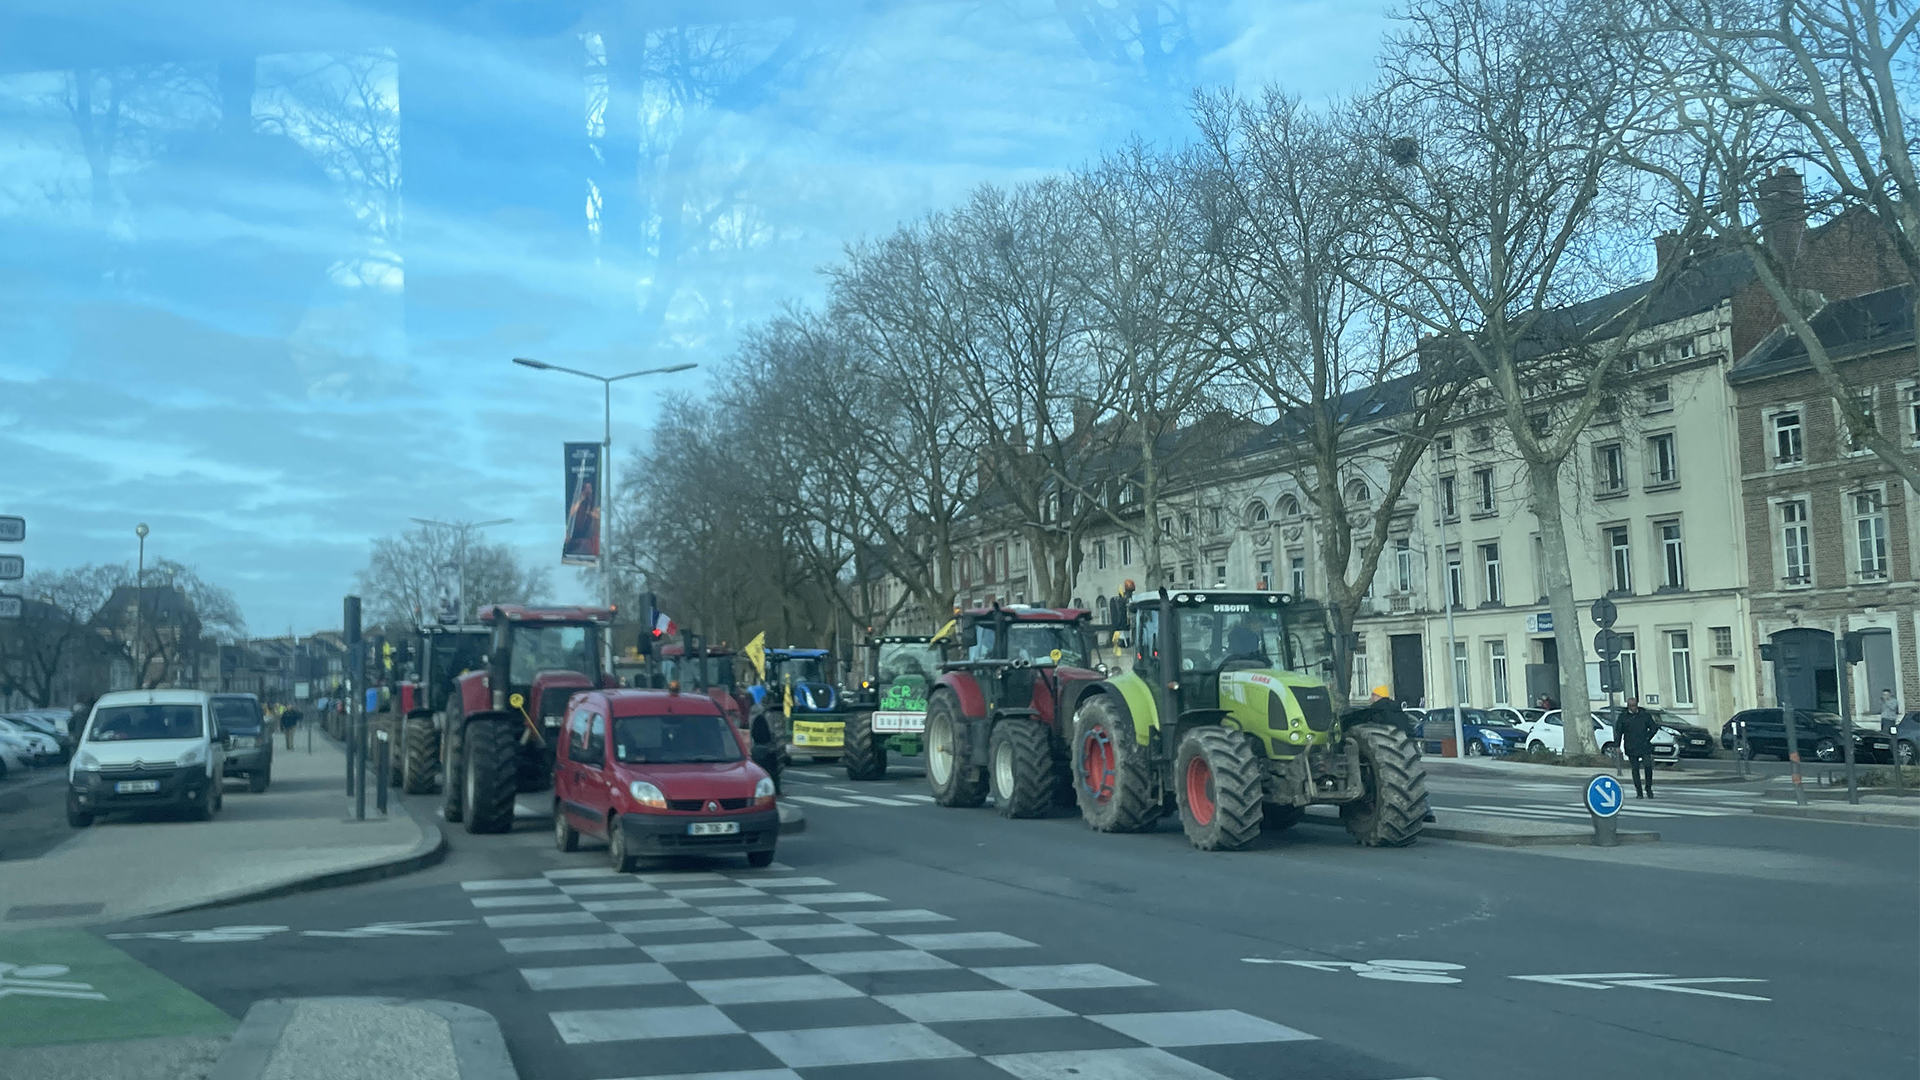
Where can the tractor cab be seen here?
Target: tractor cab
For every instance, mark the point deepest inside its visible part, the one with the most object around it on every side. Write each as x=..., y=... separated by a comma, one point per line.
x=809, y=673
x=439, y=657
x=897, y=665
x=709, y=671
x=540, y=658
x=1017, y=653
x=1201, y=642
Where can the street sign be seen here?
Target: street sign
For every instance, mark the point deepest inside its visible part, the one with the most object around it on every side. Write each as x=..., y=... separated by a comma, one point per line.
x=1604, y=613
x=12, y=568
x=1608, y=644
x=12, y=529
x=9, y=607
x=1604, y=796
x=1611, y=681
x=1540, y=623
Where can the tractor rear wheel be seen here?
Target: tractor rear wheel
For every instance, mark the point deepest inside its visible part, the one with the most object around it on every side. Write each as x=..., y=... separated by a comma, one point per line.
x=949, y=772
x=1217, y=780
x=1113, y=779
x=420, y=756
x=1390, y=813
x=452, y=762
x=492, y=774
x=1022, y=772
x=1276, y=817
x=865, y=756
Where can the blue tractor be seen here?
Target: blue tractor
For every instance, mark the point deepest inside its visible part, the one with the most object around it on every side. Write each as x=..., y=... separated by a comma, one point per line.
x=800, y=686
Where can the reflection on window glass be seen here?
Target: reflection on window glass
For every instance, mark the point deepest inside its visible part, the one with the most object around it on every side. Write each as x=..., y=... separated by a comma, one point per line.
x=550, y=648
x=130, y=723
x=674, y=740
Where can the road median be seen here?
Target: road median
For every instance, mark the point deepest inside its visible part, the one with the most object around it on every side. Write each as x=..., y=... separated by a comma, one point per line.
x=1496, y=829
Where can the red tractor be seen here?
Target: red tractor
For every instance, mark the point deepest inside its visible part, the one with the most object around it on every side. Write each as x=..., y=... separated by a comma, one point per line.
x=710, y=672
x=998, y=714
x=500, y=726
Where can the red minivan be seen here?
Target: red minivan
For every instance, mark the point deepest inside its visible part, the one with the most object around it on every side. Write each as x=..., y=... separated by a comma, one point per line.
x=659, y=773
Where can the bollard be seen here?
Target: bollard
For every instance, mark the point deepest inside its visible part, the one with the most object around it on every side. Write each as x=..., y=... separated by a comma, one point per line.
x=382, y=771
x=1603, y=798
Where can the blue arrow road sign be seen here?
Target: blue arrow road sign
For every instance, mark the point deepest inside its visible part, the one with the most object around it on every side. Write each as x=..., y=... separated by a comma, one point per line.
x=1603, y=796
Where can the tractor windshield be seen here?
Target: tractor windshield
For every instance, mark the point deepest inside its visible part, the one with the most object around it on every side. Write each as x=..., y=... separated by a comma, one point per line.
x=801, y=669
x=1217, y=634
x=1035, y=642
x=550, y=648
x=903, y=659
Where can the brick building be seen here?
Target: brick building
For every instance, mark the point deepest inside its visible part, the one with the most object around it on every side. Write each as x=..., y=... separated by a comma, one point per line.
x=1831, y=529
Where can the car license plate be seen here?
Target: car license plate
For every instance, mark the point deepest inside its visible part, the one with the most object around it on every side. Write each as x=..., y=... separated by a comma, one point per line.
x=136, y=787
x=713, y=828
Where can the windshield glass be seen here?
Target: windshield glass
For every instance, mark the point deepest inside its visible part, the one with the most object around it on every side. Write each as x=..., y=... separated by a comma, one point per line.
x=673, y=740
x=238, y=715
x=908, y=659
x=129, y=723
x=1272, y=635
x=801, y=669
x=1034, y=642
x=550, y=648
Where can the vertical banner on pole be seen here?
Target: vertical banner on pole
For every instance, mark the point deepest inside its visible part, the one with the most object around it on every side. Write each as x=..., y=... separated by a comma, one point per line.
x=583, y=468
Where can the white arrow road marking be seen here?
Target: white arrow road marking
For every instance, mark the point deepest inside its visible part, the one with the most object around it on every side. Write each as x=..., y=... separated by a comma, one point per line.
x=1645, y=980
x=392, y=929
x=1414, y=971
x=35, y=980
x=216, y=935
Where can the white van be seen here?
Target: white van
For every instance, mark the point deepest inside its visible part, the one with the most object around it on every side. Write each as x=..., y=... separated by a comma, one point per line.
x=147, y=748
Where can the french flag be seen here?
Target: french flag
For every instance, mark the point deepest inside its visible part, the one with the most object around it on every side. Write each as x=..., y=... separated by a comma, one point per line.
x=664, y=626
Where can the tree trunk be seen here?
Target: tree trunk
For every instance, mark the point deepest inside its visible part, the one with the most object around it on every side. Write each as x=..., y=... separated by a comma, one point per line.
x=1544, y=481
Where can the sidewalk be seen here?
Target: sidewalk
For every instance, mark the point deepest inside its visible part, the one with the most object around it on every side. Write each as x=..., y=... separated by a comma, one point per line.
x=1694, y=771
x=1872, y=810
x=299, y=832
x=1497, y=829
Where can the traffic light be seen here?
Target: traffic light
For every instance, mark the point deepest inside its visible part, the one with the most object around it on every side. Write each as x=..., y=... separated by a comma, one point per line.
x=1855, y=646
x=386, y=656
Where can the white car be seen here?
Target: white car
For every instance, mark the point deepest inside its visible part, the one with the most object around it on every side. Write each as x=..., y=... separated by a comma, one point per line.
x=148, y=749
x=1519, y=718
x=44, y=748
x=1549, y=733
x=14, y=755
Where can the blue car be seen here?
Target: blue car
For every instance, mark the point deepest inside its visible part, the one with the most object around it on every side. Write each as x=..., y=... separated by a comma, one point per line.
x=1486, y=734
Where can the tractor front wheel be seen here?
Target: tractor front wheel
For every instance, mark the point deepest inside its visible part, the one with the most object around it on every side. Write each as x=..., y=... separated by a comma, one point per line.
x=492, y=774
x=864, y=755
x=1218, y=783
x=1112, y=776
x=1390, y=813
x=1022, y=773
x=948, y=771
x=420, y=756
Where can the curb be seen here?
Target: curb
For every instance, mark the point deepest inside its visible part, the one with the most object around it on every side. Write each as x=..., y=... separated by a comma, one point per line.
x=430, y=850
x=1498, y=839
x=1847, y=814
x=479, y=1050
x=793, y=820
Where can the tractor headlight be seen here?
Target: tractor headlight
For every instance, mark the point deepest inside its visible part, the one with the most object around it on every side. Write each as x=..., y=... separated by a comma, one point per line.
x=647, y=795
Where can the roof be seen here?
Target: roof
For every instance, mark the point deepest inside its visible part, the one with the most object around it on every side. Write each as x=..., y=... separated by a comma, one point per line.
x=1232, y=596
x=152, y=697
x=660, y=702
x=1023, y=613
x=566, y=614
x=1856, y=326
x=791, y=653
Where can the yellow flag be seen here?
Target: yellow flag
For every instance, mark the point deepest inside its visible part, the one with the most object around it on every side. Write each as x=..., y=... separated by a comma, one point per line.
x=787, y=706
x=756, y=651
x=941, y=634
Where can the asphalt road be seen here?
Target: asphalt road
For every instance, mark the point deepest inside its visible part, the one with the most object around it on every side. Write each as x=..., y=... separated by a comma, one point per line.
x=1401, y=963
x=33, y=812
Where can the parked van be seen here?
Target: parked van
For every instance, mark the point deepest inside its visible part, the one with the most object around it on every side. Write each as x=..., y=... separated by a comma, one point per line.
x=145, y=749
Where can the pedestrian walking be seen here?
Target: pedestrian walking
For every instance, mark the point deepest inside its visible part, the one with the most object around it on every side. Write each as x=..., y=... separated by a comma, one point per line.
x=1634, y=729
x=1889, y=711
x=288, y=721
x=77, y=719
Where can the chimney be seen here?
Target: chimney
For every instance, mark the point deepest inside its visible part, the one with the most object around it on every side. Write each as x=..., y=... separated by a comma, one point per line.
x=1783, y=213
x=1666, y=248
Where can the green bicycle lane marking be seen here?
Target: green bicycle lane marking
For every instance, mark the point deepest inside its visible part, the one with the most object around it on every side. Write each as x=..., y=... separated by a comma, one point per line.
x=66, y=986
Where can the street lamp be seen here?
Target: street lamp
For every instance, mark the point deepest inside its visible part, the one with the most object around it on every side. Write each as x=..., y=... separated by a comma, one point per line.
x=1446, y=589
x=139, y=599
x=462, y=530
x=606, y=454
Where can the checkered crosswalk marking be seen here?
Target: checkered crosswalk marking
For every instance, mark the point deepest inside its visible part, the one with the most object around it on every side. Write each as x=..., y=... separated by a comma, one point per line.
x=668, y=963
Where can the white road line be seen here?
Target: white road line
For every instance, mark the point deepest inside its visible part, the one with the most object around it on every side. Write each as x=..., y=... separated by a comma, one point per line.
x=812, y=800
x=503, y=885
x=918, y=798
x=880, y=800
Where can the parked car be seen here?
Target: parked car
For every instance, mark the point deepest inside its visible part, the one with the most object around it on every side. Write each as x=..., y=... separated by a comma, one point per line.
x=50, y=724
x=660, y=773
x=1484, y=732
x=1673, y=739
x=1515, y=717
x=43, y=748
x=250, y=754
x=1818, y=735
x=1906, y=736
x=147, y=749
x=1549, y=733
x=14, y=755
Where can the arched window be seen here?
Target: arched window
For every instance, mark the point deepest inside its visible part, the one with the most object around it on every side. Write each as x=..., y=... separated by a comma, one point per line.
x=1358, y=494
x=1100, y=609
x=1289, y=506
x=1257, y=513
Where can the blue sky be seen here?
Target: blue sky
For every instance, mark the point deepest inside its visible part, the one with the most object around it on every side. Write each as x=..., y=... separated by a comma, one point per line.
x=274, y=340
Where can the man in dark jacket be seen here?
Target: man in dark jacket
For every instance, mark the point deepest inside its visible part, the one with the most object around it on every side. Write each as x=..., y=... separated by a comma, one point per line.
x=1634, y=729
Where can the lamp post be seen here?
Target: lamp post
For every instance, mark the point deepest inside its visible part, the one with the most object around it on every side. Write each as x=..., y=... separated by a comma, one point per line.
x=1446, y=589
x=462, y=530
x=139, y=601
x=606, y=454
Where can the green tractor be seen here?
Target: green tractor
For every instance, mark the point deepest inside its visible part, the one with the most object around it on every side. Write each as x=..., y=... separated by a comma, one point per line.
x=890, y=706
x=1224, y=718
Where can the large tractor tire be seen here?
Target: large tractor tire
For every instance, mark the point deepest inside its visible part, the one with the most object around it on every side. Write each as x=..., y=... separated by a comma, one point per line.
x=1390, y=813
x=864, y=755
x=492, y=774
x=1113, y=778
x=452, y=765
x=951, y=775
x=1022, y=773
x=420, y=756
x=1217, y=780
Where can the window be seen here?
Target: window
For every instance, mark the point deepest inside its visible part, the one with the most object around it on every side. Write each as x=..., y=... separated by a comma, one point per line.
x=1497, y=671
x=1657, y=396
x=1265, y=574
x=1541, y=423
x=1100, y=554
x=1289, y=506
x=1864, y=405
x=1673, y=558
x=1680, y=655
x=1362, y=680
x=1685, y=349
x=1722, y=640
x=1462, y=687
x=1620, y=559
x=1186, y=574
x=1126, y=551
x=1913, y=412
x=1448, y=508
x=1786, y=438
x=1629, y=666
x=1481, y=434
x=1129, y=491
x=1663, y=466
x=1483, y=491
x=1403, y=565
x=1795, y=545
x=1357, y=493
x=1220, y=575
x=1456, y=586
x=1539, y=567
x=1297, y=574
x=1610, y=469
x=1166, y=526
x=1258, y=515
x=684, y=739
x=1443, y=444
x=1186, y=524
x=1490, y=573
x=1214, y=513
x=1869, y=534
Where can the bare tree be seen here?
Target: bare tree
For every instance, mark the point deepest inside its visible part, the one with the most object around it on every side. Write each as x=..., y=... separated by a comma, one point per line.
x=401, y=581
x=53, y=642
